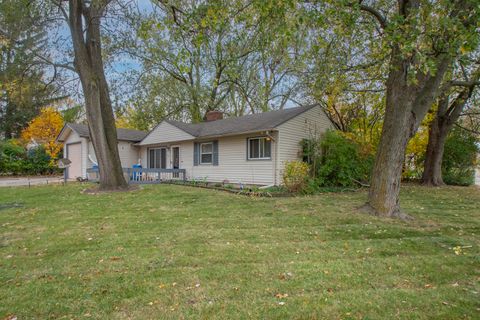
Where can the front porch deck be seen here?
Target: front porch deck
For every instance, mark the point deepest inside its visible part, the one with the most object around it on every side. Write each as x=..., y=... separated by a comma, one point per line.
x=143, y=175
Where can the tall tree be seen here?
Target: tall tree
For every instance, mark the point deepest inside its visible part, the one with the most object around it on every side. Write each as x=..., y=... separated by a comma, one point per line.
x=25, y=82
x=212, y=54
x=84, y=20
x=451, y=106
x=422, y=41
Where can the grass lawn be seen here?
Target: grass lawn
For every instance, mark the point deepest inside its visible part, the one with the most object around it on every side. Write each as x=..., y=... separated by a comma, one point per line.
x=176, y=252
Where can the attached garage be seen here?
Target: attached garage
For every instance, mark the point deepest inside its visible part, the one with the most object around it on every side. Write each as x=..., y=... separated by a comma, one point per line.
x=74, y=154
x=78, y=148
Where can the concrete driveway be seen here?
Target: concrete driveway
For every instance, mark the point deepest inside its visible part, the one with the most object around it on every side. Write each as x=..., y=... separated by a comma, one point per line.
x=29, y=181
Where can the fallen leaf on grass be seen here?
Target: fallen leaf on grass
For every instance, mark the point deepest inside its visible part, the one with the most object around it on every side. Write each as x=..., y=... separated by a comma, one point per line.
x=197, y=285
x=285, y=276
x=281, y=295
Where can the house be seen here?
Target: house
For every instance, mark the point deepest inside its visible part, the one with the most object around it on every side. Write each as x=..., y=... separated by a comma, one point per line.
x=78, y=148
x=251, y=149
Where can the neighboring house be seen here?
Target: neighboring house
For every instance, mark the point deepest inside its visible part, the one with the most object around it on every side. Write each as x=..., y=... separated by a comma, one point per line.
x=78, y=148
x=251, y=149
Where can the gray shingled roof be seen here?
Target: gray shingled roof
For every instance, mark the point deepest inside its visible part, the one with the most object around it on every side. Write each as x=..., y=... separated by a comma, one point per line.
x=237, y=125
x=122, y=134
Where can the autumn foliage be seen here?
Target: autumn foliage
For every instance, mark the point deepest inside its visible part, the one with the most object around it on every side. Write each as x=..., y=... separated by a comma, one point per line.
x=44, y=129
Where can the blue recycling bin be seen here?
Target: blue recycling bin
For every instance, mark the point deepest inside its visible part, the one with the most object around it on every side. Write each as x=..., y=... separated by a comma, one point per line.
x=136, y=175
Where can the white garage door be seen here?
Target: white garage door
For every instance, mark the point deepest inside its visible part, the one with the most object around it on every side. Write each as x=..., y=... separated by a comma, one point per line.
x=74, y=154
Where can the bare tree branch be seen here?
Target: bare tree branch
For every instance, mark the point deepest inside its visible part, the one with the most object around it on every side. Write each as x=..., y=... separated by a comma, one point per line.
x=375, y=13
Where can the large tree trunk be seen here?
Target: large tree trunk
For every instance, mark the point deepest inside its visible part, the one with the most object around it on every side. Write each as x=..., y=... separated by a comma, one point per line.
x=89, y=65
x=446, y=116
x=432, y=173
x=383, y=198
x=410, y=92
x=406, y=105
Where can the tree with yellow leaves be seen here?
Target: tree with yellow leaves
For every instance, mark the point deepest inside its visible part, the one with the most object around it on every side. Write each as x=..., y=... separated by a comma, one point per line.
x=43, y=129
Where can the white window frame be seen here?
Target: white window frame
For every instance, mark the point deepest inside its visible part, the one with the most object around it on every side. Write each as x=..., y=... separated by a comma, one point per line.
x=264, y=138
x=202, y=153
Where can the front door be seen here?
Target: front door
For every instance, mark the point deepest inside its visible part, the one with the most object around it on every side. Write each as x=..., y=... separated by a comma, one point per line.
x=176, y=158
x=176, y=161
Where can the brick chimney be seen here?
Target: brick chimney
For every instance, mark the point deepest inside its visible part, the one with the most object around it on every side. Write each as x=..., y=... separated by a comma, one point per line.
x=213, y=115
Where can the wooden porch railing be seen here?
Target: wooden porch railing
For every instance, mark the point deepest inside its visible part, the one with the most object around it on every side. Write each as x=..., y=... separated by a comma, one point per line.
x=143, y=175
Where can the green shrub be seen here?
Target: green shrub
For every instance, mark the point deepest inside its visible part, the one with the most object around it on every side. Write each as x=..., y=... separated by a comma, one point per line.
x=12, y=157
x=311, y=187
x=16, y=160
x=295, y=175
x=458, y=165
x=38, y=161
x=342, y=162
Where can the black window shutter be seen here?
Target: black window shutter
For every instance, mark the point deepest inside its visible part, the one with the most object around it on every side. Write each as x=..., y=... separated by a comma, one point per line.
x=215, y=153
x=246, y=150
x=196, y=153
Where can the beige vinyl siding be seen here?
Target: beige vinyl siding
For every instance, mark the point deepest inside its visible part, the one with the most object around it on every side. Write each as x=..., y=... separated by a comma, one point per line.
x=128, y=153
x=311, y=123
x=165, y=133
x=232, y=162
x=232, y=151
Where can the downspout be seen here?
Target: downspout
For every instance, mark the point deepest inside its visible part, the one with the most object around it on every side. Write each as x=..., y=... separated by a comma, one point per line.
x=275, y=153
x=275, y=162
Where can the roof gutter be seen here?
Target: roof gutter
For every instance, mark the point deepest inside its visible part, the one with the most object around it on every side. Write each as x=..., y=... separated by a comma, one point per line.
x=266, y=130
x=210, y=137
